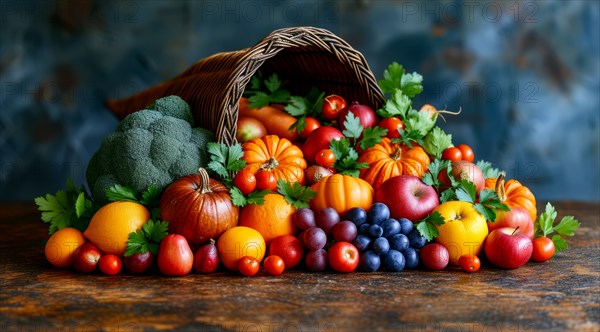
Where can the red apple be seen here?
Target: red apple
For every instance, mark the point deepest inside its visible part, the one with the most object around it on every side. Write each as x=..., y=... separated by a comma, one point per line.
x=249, y=128
x=434, y=256
x=517, y=217
x=139, y=263
x=175, y=258
x=464, y=170
x=364, y=113
x=289, y=248
x=318, y=140
x=407, y=197
x=86, y=257
x=508, y=248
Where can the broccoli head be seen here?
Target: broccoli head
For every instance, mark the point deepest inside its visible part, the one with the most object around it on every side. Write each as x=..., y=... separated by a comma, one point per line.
x=154, y=146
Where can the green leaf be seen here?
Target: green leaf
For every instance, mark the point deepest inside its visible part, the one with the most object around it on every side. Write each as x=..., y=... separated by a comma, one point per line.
x=150, y=196
x=560, y=243
x=489, y=171
x=421, y=122
x=259, y=99
x=392, y=78
x=234, y=161
x=80, y=205
x=147, y=238
x=447, y=195
x=297, y=106
x=257, y=197
x=121, y=193
x=237, y=198
x=567, y=226
x=433, y=170
x=295, y=194
x=412, y=84
x=265, y=92
x=225, y=159
x=487, y=213
x=273, y=83
x=427, y=230
x=398, y=105
x=372, y=136
x=436, y=142
x=466, y=191
x=353, y=127
x=546, y=220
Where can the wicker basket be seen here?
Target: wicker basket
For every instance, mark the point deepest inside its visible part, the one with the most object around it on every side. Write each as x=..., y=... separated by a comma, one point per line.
x=305, y=56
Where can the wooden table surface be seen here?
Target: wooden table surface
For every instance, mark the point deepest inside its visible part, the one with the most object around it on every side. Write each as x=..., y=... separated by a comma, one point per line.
x=562, y=294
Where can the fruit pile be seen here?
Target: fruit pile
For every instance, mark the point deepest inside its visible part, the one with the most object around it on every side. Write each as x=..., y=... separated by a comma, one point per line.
x=313, y=183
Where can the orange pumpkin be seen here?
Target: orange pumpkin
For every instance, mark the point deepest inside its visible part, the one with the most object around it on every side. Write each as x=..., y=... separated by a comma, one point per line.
x=387, y=160
x=341, y=192
x=513, y=193
x=275, y=154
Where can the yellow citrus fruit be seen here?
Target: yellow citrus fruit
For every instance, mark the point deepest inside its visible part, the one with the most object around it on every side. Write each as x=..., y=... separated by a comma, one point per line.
x=61, y=246
x=238, y=242
x=272, y=219
x=110, y=226
x=463, y=232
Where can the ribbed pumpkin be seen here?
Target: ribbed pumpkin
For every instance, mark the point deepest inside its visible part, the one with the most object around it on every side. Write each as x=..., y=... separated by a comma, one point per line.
x=198, y=207
x=387, y=160
x=275, y=154
x=341, y=192
x=513, y=193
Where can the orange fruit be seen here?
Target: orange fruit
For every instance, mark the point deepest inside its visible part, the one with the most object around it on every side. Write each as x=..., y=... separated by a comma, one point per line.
x=272, y=219
x=110, y=226
x=238, y=242
x=61, y=246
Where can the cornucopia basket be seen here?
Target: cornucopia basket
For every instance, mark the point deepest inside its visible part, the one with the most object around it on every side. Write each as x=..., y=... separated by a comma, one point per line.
x=305, y=56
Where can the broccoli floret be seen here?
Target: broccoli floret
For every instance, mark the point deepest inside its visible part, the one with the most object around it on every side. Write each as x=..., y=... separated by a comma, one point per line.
x=154, y=146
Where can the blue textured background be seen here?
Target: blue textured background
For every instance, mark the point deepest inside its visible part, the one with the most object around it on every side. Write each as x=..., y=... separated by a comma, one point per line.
x=526, y=75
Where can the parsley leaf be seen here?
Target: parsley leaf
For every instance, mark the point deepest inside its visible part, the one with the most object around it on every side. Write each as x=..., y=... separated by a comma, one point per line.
x=395, y=78
x=421, y=122
x=567, y=226
x=447, y=195
x=297, y=106
x=295, y=194
x=428, y=226
x=121, y=193
x=466, y=191
x=436, y=142
x=67, y=208
x=346, y=158
x=225, y=159
x=433, y=170
x=265, y=92
x=489, y=171
x=147, y=238
x=352, y=126
x=544, y=226
x=255, y=197
x=372, y=136
x=301, y=107
x=397, y=105
x=149, y=197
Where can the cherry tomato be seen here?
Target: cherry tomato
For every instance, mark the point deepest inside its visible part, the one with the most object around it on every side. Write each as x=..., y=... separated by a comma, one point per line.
x=265, y=180
x=274, y=265
x=248, y=266
x=333, y=105
x=543, y=249
x=325, y=158
x=245, y=181
x=343, y=257
x=392, y=125
x=311, y=124
x=452, y=153
x=469, y=263
x=467, y=152
x=110, y=264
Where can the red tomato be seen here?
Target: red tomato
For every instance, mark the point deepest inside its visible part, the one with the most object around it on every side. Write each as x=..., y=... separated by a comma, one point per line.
x=452, y=153
x=325, y=158
x=110, y=264
x=343, y=257
x=467, y=152
x=248, y=266
x=333, y=106
x=311, y=124
x=245, y=181
x=274, y=265
x=469, y=263
x=543, y=249
x=392, y=125
x=289, y=248
x=265, y=180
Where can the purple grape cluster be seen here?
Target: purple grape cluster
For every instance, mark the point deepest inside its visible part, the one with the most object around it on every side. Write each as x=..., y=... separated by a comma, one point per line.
x=318, y=230
x=385, y=242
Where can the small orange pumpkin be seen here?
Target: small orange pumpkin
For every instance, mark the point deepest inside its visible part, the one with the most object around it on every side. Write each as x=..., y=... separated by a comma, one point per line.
x=275, y=154
x=513, y=193
x=387, y=160
x=341, y=192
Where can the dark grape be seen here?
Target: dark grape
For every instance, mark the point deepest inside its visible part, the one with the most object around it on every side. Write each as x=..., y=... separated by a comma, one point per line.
x=393, y=261
x=345, y=231
x=364, y=229
x=316, y=260
x=390, y=227
x=416, y=240
x=314, y=238
x=411, y=257
x=362, y=242
x=327, y=218
x=399, y=242
x=304, y=218
x=375, y=231
x=357, y=215
x=406, y=226
x=369, y=261
x=381, y=246
x=378, y=213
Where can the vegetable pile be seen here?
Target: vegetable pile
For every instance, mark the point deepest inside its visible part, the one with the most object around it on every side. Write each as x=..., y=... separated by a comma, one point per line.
x=315, y=182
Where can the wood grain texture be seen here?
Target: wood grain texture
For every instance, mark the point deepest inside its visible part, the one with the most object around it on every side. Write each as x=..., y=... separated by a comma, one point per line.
x=562, y=294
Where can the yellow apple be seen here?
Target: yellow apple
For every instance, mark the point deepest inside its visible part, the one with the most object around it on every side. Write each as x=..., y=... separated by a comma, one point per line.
x=463, y=232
